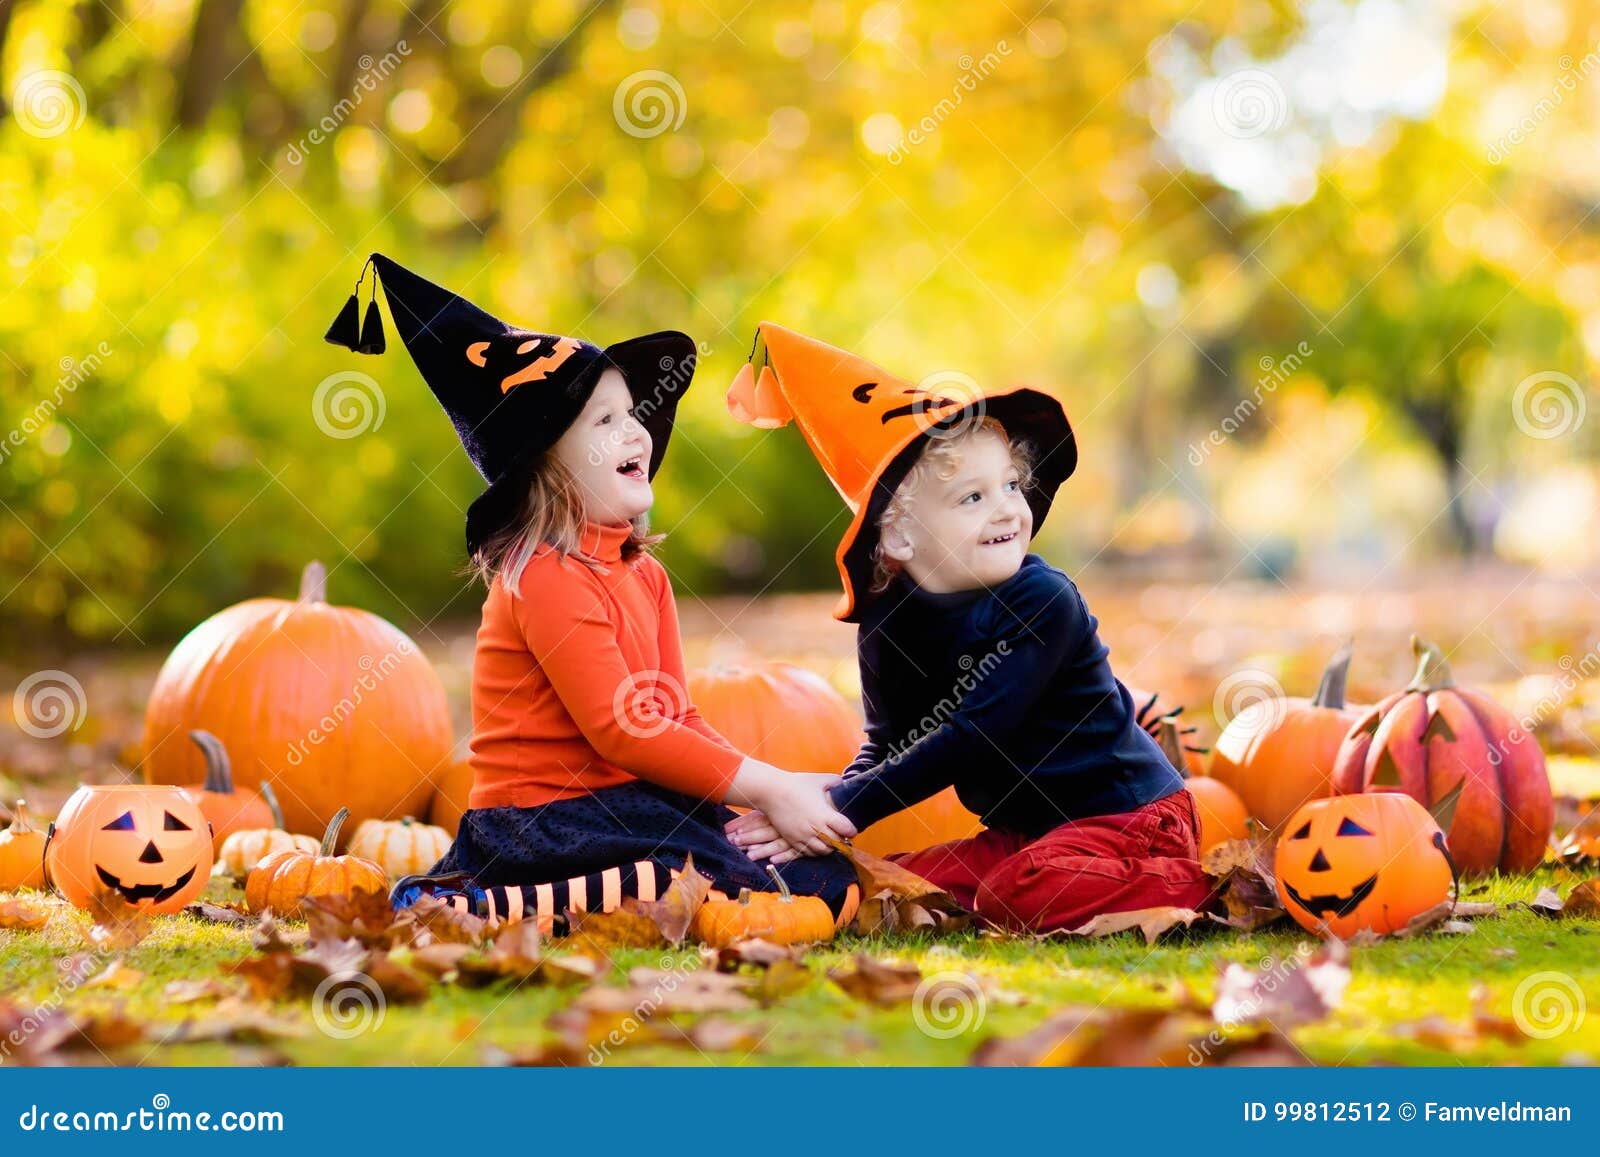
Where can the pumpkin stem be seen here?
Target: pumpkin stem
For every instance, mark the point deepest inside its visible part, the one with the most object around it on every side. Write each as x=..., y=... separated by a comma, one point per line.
x=330, y=838
x=272, y=804
x=783, y=887
x=1433, y=673
x=219, y=773
x=744, y=896
x=314, y=583
x=1330, y=692
x=1172, y=745
x=19, y=819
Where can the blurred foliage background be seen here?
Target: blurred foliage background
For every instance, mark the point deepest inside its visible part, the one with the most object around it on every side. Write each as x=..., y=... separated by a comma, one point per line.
x=1320, y=283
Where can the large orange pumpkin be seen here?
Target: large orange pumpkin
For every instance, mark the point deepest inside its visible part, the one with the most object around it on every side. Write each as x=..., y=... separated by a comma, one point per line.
x=1361, y=863
x=1434, y=735
x=781, y=713
x=149, y=845
x=1279, y=754
x=227, y=809
x=1223, y=816
x=331, y=705
x=452, y=787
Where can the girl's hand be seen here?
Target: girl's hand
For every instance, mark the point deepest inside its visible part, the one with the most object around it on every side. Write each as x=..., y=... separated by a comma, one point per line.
x=754, y=834
x=796, y=805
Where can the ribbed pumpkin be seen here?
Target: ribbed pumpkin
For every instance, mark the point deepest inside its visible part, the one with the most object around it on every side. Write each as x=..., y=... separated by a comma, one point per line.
x=452, y=786
x=228, y=809
x=282, y=880
x=400, y=847
x=778, y=917
x=332, y=705
x=243, y=850
x=21, y=853
x=1278, y=755
x=1433, y=735
x=784, y=714
x=1223, y=816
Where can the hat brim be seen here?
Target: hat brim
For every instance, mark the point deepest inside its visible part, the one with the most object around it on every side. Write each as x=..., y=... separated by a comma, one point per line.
x=1028, y=415
x=658, y=368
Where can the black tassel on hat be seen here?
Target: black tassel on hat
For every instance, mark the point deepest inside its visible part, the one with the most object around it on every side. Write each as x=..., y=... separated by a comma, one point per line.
x=348, y=330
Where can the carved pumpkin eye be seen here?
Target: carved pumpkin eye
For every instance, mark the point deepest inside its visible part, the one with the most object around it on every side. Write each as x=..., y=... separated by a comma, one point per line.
x=1304, y=833
x=1349, y=827
x=173, y=824
x=123, y=823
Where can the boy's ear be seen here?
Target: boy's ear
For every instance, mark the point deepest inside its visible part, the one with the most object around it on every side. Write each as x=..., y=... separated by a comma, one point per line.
x=894, y=543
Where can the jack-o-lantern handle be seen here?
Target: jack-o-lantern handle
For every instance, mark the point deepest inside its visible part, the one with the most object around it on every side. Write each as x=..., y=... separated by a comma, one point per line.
x=219, y=772
x=1433, y=672
x=330, y=838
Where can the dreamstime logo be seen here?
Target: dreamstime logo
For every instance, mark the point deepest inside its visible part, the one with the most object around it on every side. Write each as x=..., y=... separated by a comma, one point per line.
x=1548, y=1004
x=1251, y=698
x=1249, y=103
x=649, y=103
x=347, y=1004
x=347, y=404
x=1274, y=372
x=49, y=703
x=1567, y=82
x=1548, y=404
x=372, y=73
x=373, y=673
x=972, y=73
x=48, y=103
x=936, y=393
x=948, y=1004
x=647, y=702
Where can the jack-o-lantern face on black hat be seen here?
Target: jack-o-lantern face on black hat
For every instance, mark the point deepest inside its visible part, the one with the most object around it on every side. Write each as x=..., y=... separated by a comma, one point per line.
x=1361, y=862
x=148, y=844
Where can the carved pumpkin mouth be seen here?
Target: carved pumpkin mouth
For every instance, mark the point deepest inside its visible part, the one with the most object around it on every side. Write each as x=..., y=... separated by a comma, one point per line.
x=133, y=893
x=1338, y=905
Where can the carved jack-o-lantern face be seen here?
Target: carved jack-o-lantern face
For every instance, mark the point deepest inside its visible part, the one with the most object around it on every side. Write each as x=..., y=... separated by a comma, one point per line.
x=149, y=844
x=1361, y=862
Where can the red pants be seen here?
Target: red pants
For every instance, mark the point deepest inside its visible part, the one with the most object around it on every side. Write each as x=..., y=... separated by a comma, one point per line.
x=1145, y=858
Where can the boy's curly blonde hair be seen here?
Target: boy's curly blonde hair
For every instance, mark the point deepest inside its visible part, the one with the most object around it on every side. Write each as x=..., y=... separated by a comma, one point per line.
x=940, y=458
x=552, y=514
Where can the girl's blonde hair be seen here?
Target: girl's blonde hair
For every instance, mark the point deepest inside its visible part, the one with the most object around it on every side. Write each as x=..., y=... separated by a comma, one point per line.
x=940, y=457
x=552, y=514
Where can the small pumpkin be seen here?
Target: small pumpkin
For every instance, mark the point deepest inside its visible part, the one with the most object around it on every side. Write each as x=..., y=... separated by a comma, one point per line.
x=1432, y=736
x=243, y=850
x=779, y=712
x=1223, y=816
x=282, y=880
x=780, y=917
x=452, y=788
x=1361, y=863
x=228, y=809
x=21, y=853
x=400, y=847
x=149, y=844
x=1279, y=754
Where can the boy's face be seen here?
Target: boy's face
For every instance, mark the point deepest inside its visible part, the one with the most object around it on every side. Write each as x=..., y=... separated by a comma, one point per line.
x=970, y=530
x=607, y=452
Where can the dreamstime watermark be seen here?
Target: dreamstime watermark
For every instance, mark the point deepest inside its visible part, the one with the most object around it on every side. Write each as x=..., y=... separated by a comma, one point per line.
x=672, y=378
x=1253, y=699
x=1272, y=973
x=48, y=103
x=948, y=1004
x=973, y=72
x=974, y=672
x=1548, y=1004
x=1274, y=372
x=649, y=103
x=74, y=971
x=372, y=73
x=348, y=1004
x=1567, y=82
x=74, y=372
x=1548, y=404
x=160, y=1117
x=49, y=703
x=673, y=973
x=1249, y=103
x=647, y=703
x=348, y=404
x=937, y=393
x=373, y=673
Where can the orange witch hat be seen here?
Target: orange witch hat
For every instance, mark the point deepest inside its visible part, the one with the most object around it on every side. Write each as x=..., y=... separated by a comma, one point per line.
x=866, y=427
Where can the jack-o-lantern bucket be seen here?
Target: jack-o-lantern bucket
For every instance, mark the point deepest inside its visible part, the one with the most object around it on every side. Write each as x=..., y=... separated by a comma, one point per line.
x=149, y=844
x=1361, y=862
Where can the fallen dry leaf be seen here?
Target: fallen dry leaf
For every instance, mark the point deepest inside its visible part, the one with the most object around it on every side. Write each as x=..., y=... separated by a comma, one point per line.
x=878, y=982
x=190, y=991
x=662, y=990
x=44, y=1034
x=210, y=913
x=894, y=899
x=1547, y=903
x=365, y=916
x=756, y=951
x=117, y=925
x=1082, y=1035
x=116, y=975
x=1153, y=923
x=23, y=915
x=675, y=911
x=1583, y=900
x=1292, y=991
x=601, y=933
x=444, y=923
x=1245, y=883
x=232, y=1020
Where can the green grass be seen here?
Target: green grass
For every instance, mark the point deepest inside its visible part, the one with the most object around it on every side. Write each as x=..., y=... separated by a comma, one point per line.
x=1394, y=983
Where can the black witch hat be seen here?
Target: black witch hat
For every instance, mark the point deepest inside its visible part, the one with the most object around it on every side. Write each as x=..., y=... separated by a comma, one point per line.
x=510, y=392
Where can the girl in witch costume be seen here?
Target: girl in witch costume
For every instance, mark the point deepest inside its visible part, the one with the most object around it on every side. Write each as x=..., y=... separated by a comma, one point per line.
x=981, y=666
x=594, y=777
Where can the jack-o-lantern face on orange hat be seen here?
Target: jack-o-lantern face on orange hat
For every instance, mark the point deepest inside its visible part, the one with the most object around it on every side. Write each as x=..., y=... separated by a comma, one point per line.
x=1361, y=862
x=148, y=844
x=866, y=428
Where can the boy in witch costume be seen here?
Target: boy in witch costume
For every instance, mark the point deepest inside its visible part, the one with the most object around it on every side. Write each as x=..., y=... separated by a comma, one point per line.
x=981, y=665
x=594, y=776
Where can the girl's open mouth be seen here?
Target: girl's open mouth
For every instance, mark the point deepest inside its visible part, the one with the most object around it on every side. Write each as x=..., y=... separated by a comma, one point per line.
x=632, y=468
x=999, y=539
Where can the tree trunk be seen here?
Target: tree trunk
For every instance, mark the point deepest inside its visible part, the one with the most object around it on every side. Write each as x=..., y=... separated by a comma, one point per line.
x=213, y=55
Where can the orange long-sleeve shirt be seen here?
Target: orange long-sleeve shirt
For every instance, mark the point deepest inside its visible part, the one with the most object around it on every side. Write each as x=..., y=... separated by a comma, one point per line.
x=579, y=684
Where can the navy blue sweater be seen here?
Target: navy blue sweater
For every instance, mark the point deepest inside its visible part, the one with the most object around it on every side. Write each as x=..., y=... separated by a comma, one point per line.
x=1004, y=692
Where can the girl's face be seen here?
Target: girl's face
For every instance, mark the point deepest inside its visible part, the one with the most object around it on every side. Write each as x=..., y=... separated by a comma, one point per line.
x=607, y=452
x=969, y=531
